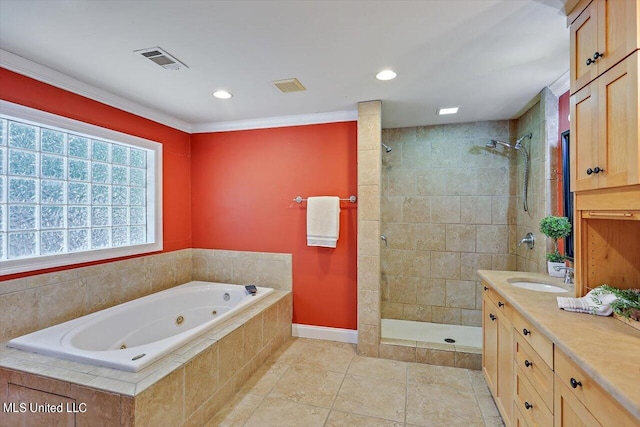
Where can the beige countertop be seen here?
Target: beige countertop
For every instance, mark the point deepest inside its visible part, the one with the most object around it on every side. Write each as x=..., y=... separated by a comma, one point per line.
x=605, y=348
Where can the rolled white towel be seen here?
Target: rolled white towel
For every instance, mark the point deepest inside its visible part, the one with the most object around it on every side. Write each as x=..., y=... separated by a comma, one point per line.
x=596, y=302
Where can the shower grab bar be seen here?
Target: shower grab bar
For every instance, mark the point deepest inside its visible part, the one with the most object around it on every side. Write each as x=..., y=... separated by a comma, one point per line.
x=352, y=199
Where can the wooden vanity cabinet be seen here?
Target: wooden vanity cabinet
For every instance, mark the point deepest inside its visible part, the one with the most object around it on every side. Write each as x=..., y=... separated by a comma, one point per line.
x=532, y=381
x=497, y=353
x=605, y=131
x=602, y=33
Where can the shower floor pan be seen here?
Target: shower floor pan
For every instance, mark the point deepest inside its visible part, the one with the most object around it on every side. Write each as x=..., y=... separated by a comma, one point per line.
x=436, y=333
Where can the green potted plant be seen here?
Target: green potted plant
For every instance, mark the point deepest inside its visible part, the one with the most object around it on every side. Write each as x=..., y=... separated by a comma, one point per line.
x=555, y=227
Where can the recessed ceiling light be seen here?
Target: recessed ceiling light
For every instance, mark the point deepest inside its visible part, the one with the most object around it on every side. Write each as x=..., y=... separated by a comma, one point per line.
x=386, y=75
x=448, y=110
x=222, y=94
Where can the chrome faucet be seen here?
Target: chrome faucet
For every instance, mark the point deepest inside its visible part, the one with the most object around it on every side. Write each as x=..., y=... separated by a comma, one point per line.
x=529, y=239
x=568, y=274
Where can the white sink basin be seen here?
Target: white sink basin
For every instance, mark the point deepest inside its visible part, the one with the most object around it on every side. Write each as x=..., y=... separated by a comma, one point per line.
x=538, y=287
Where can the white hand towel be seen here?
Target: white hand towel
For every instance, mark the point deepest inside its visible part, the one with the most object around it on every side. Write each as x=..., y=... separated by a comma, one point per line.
x=323, y=221
x=593, y=303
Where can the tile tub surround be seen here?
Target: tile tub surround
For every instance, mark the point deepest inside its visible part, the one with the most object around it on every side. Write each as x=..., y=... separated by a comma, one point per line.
x=185, y=388
x=271, y=270
x=321, y=383
x=36, y=302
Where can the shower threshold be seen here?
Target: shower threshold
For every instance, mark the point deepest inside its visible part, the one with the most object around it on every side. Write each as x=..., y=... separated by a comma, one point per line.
x=469, y=336
x=432, y=343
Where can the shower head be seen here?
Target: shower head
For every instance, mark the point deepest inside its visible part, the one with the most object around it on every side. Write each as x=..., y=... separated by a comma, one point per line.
x=493, y=144
x=386, y=148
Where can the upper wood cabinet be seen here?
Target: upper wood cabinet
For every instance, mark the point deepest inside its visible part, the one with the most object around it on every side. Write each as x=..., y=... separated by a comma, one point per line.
x=604, y=129
x=603, y=33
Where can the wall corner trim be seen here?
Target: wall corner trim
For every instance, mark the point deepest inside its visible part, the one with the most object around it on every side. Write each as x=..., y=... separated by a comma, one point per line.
x=561, y=85
x=277, y=122
x=324, y=333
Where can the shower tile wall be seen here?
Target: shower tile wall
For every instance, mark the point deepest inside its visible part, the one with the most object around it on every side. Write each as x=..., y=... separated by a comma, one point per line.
x=542, y=121
x=448, y=208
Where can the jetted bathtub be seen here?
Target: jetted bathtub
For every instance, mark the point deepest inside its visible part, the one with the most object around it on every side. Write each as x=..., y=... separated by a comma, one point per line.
x=135, y=334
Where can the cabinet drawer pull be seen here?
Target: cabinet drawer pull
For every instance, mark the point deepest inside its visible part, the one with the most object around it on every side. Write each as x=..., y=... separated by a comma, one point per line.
x=528, y=405
x=612, y=214
x=597, y=55
x=597, y=169
x=575, y=383
x=525, y=331
x=589, y=171
x=590, y=61
x=527, y=363
x=491, y=316
x=486, y=289
x=500, y=304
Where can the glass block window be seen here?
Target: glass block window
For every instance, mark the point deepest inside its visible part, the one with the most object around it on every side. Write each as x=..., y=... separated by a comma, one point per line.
x=72, y=192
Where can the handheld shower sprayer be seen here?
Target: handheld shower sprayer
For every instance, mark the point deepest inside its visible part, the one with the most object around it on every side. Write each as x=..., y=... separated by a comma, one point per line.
x=386, y=147
x=519, y=140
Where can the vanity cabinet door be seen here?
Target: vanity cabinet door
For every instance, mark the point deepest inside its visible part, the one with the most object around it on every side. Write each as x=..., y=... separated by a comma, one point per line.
x=618, y=152
x=568, y=411
x=605, y=130
x=490, y=344
x=583, y=144
x=497, y=356
x=603, y=34
x=584, y=43
x=604, y=409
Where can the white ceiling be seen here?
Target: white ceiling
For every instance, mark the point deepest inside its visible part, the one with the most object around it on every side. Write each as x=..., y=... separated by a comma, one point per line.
x=489, y=57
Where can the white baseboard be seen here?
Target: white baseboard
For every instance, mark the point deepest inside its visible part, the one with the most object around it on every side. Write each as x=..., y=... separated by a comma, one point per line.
x=324, y=333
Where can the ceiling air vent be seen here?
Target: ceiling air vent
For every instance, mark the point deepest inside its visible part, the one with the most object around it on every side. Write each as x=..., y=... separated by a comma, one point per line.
x=161, y=58
x=289, y=85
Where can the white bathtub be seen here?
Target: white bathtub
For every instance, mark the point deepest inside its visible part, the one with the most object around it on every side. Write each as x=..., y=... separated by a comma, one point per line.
x=133, y=335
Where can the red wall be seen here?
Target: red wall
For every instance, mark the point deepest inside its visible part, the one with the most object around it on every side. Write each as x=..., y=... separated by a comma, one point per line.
x=23, y=90
x=563, y=125
x=243, y=184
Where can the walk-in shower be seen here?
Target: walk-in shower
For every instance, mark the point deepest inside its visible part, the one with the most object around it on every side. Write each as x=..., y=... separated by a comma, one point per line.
x=527, y=163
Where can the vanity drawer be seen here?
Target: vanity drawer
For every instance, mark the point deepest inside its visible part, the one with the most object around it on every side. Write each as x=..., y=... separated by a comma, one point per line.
x=529, y=402
x=540, y=344
x=519, y=420
x=535, y=370
x=602, y=406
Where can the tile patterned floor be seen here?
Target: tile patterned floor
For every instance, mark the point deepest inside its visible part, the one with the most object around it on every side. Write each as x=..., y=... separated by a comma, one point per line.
x=309, y=383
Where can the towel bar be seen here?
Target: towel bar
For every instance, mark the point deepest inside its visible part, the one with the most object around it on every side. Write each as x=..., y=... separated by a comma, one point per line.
x=352, y=199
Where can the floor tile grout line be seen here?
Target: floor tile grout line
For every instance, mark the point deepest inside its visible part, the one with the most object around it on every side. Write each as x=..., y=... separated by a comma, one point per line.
x=262, y=399
x=326, y=420
x=406, y=391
